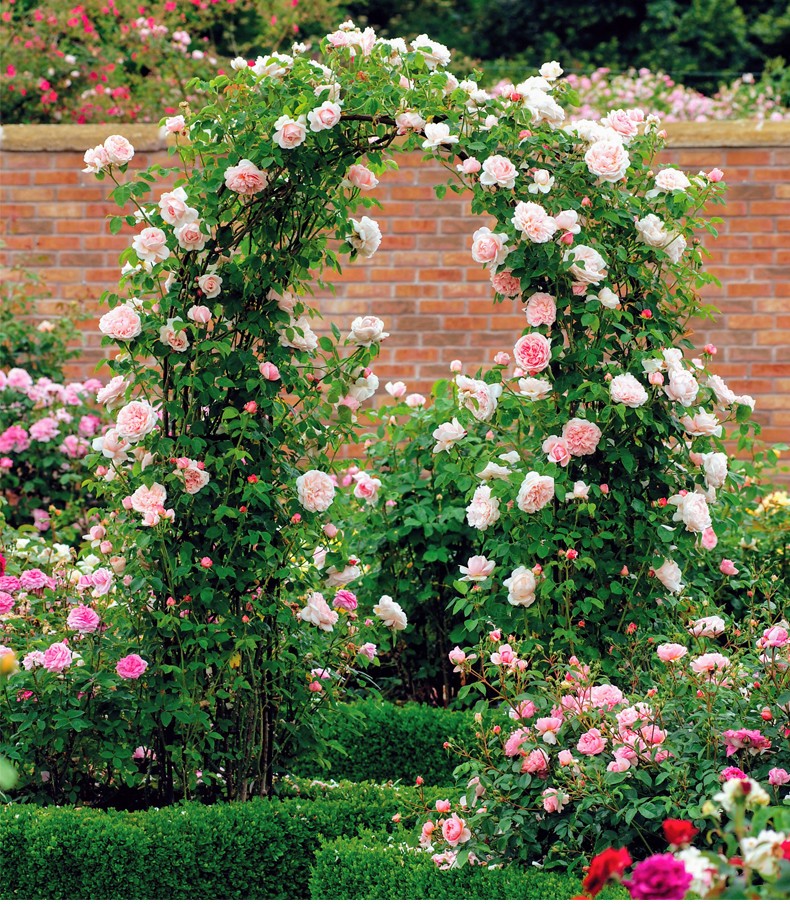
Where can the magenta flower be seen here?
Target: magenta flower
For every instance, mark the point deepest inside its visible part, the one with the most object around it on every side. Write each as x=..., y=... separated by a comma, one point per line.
x=131, y=666
x=661, y=877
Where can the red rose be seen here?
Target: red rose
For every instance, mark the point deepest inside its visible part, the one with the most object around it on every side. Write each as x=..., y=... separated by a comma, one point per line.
x=602, y=867
x=679, y=831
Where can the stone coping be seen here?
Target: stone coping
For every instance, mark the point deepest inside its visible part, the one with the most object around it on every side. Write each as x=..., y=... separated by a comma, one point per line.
x=146, y=137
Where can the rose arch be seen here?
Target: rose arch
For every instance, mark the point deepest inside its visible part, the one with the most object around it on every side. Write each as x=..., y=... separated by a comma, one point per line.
x=592, y=442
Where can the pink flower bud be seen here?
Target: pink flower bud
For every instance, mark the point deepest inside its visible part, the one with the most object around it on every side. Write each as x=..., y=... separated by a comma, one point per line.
x=330, y=530
x=586, y=202
x=199, y=313
x=567, y=238
x=105, y=547
x=604, y=488
x=126, y=502
x=206, y=562
x=715, y=175
x=296, y=518
x=502, y=358
x=710, y=349
x=571, y=554
x=656, y=379
x=728, y=567
x=456, y=366
x=314, y=686
x=269, y=371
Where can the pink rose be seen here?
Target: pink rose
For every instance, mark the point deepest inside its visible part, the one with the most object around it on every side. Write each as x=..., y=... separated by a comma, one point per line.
x=361, y=177
x=535, y=492
x=701, y=424
x=692, y=510
x=315, y=490
x=621, y=122
x=728, y=567
x=591, y=743
x=556, y=450
x=541, y=309
x=498, y=171
x=671, y=652
x=469, y=166
x=6, y=602
x=547, y=728
x=581, y=436
x=777, y=777
x=710, y=665
x=443, y=806
x=131, y=666
x=554, y=801
x=345, y=599
x=101, y=581
x=365, y=236
x=57, y=658
x=176, y=339
x=151, y=245
x=210, y=285
x=682, y=387
x=367, y=487
x=775, y=637
x=119, y=150
x=565, y=758
x=245, y=178
x=194, y=478
x=189, y=236
x=715, y=175
x=326, y=116
x=587, y=265
x=121, y=323
x=455, y=831
x=269, y=371
x=112, y=392
x=535, y=763
x=318, y=613
x=199, y=313
x=532, y=352
x=447, y=435
x=608, y=160
x=174, y=209
x=478, y=568
x=477, y=396
x=533, y=221
x=489, y=247
x=506, y=284
x=671, y=179
x=96, y=159
x=289, y=133
x=148, y=500
x=83, y=619
x=175, y=125
x=627, y=390
x=710, y=626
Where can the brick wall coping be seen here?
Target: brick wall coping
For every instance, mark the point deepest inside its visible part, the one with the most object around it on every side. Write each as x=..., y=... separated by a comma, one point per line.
x=146, y=137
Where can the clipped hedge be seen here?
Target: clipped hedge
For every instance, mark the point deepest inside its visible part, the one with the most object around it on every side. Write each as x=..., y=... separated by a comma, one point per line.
x=386, y=742
x=362, y=867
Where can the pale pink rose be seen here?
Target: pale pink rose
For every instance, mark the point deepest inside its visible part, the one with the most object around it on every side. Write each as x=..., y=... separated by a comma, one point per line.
x=327, y=116
x=189, y=236
x=608, y=160
x=301, y=335
x=712, y=665
x=415, y=400
x=513, y=743
x=587, y=265
x=710, y=626
x=714, y=464
x=581, y=436
x=532, y=353
x=150, y=245
x=397, y=389
x=367, y=487
x=709, y=540
x=505, y=655
x=547, y=728
x=671, y=179
x=458, y=657
x=365, y=236
x=289, y=133
x=455, y=831
x=478, y=568
x=447, y=435
x=194, y=478
x=101, y=582
x=627, y=390
x=533, y=221
x=591, y=743
x=469, y=166
x=499, y=171
x=367, y=330
x=269, y=371
x=536, y=762
x=121, y=323
x=692, y=510
x=175, y=125
x=542, y=183
x=775, y=637
x=96, y=159
x=541, y=309
x=535, y=493
x=176, y=339
x=670, y=576
x=778, y=777
x=131, y=666
x=437, y=134
x=391, y=614
x=506, y=284
x=112, y=392
x=148, y=500
x=565, y=758
x=526, y=709
x=671, y=652
x=534, y=389
x=621, y=122
x=315, y=490
x=245, y=178
x=554, y=800
x=521, y=586
x=410, y=121
x=619, y=764
x=362, y=178
x=489, y=247
x=568, y=222
x=174, y=209
x=728, y=567
x=119, y=150
x=556, y=450
x=19, y=379
x=199, y=313
x=44, y=430
x=83, y=619
x=57, y=658
x=701, y=424
x=477, y=396
x=210, y=285
x=135, y=420
x=682, y=387
x=318, y=613
x=483, y=510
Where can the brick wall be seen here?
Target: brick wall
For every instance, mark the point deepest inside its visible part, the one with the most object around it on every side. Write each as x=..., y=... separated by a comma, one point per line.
x=435, y=300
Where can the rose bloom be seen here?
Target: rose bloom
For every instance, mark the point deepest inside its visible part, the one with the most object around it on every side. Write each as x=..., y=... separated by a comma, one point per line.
x=174, y=209
x=150, y=245
x=532, y=352
x=245, y=178
x=455, y=831
x=535, y=493
x=556, y=450
x=302, y=336
x=135, y=420
x=710, y=626
x=83, y=619
x=652, y=231
x=131, y=666
x=57, y=658
x=447, y=435
x=315, y=490
x=586, y=264
x=608, y=160
x=778, y=777
x=365, y=236
x=118, y=149
x=498, y=171
x=682, y=387
x=672, y=179
x=361, y=177
x=506, y=284
x=289, y=133
x=478, y=568
x=701, y=424
x=436, y=135
x=174, y=125
x=775, y=637
x=189, y=236
x=390, y=613
x=521, y=586
x=621, y=122
x=661, y=877
x=6, y=602
x=534, y=389
x=121, y=323
x=533, y=221
x=194, y=478
x=626, y=389
x=581, y=436
x=489, y=247
x=345, y=599
x=541, y=309
x=745, y=739
x=112, y=392
x=95, y=159
x=478, y=396
x=199, y=313
x=728, y=567
x=603, y=866
x=554, y=800
x=692, y=510
x=176, y=339
x=210, y=284
x=714, y=464
x=367, y=330
x=327, y=116
x=483, y=510
x=709, y=664
x=591, y=743
x=318, y=613
x=367, y=487
x=148, y=500
x=670, y=576
x=671, y=652
x=415, y=400
x=535, y=763
x=547, y=728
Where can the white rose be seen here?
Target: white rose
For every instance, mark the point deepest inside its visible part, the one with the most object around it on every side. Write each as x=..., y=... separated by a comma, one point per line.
x=365, y=237
x=391, y=613
x=521, y=587
x=367, y=330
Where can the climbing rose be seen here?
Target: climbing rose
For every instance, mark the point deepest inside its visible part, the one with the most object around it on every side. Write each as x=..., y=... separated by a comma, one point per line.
x=315, y=490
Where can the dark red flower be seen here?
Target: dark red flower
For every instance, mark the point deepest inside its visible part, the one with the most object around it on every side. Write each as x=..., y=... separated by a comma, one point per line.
x=611, y=862
x=785, y=846
x=679, y=831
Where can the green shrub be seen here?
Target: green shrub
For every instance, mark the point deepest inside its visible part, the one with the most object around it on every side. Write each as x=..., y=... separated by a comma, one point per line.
x=385, y=742
x=365, y=868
